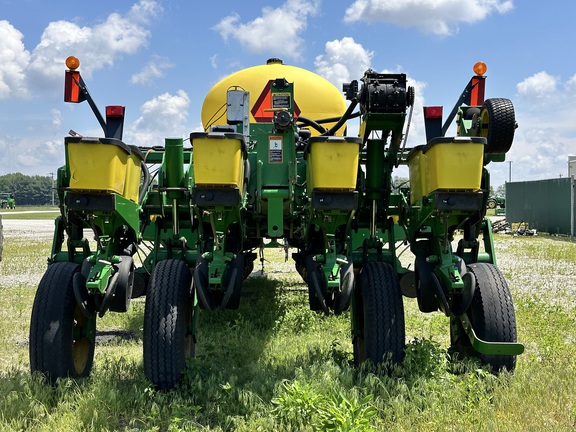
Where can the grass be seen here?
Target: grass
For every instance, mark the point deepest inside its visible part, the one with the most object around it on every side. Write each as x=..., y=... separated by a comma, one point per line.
x=30, y=213
x=275, y=365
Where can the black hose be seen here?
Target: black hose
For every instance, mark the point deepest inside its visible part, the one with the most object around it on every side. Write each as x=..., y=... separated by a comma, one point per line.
x=145, y=182
x=317, y=124
x=335, y=119
x=308, y=122
x=347, y=115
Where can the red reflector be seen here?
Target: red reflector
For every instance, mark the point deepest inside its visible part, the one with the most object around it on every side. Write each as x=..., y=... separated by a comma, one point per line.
x=431, y=112
x=72, y=91
x=114, y=111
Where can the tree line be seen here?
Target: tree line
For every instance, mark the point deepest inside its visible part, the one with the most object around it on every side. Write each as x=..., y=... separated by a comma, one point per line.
x=38, y=190
x=29, y=190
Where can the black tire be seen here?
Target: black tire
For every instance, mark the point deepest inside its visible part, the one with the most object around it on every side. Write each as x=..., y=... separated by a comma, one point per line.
x=498, y=124
x=316, y=285
x=206, y=298
x=378, y=315
x=471, y=113
x=492, y=316
x=427, y=301
x=120, y=301
x=168, y=317
x=249, y=258
x=62, y=338
x=342, y=300
x=410, y=95
x=491, y=204
x=232, y=281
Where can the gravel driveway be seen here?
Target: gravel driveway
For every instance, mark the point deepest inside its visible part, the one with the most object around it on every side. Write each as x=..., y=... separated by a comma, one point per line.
x=13, y=274
x=38, y=229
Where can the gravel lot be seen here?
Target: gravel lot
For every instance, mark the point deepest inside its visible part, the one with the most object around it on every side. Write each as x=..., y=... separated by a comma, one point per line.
x=38, y=229
x=11, y=272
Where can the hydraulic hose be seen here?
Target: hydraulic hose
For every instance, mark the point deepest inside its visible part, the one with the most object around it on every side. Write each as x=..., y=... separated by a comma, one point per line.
x=316, y=125
x=345, y=117
x=145, y=182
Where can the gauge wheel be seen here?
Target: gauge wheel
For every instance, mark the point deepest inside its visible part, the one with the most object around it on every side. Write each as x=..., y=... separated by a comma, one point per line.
x=378, y=316
x=168, y=321
x=492, y=316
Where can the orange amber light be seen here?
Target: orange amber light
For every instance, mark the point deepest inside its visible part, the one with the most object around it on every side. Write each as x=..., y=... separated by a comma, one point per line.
x=480, y=68
x=72, y=63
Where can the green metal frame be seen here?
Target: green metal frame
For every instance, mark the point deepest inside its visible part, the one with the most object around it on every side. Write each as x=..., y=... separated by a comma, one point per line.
x=276, y=203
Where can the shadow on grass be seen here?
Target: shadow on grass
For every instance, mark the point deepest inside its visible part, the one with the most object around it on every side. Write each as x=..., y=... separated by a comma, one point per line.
x=242, y=352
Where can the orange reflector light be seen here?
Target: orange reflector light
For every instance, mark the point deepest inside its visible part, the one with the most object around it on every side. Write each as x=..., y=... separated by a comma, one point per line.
x=432, y=112
x=72, y=63
x=115, y=111
x=72, y=91
x=480, y=68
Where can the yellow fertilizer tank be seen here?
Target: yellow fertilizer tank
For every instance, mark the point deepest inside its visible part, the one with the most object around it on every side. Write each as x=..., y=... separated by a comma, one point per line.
x=315, y=97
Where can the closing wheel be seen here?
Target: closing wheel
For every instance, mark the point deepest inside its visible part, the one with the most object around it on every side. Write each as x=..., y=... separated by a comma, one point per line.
x=201, y=284
x=378, y=315
x=62, y=337
x=120, y=301
x=492, y=316
x=424, y=282
x=249, y=258
x=168, y=316
x=342, y=300
x=498, y=123
x=316, y=285
x=232, y=282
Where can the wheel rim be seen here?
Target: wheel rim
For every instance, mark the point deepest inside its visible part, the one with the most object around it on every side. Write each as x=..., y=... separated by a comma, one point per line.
x=484, y=121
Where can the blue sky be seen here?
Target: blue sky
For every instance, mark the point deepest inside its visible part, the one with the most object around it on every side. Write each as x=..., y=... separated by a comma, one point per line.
x=159, y=58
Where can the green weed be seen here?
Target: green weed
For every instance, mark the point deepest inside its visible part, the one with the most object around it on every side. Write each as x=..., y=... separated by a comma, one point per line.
x=275, y=365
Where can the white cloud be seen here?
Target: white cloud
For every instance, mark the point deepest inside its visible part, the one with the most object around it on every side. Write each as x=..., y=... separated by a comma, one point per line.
x=154, y=69
x=571, y=84
x=539, y=85
x=440, y=17
x=56, y=119
x=545, y=136
x=98, y=46
x=540, y=153
x=13, y=61
x=277, y=29
x=343, y=61
x=346, y=60
x=164, y=116
x=41, y=153
x=214, y=61
x=144, y=11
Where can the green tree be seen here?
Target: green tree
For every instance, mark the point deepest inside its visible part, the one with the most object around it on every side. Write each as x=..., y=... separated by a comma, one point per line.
x=27, y=190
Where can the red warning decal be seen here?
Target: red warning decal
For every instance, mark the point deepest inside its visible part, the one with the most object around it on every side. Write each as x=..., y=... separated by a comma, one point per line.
x=262, y=109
